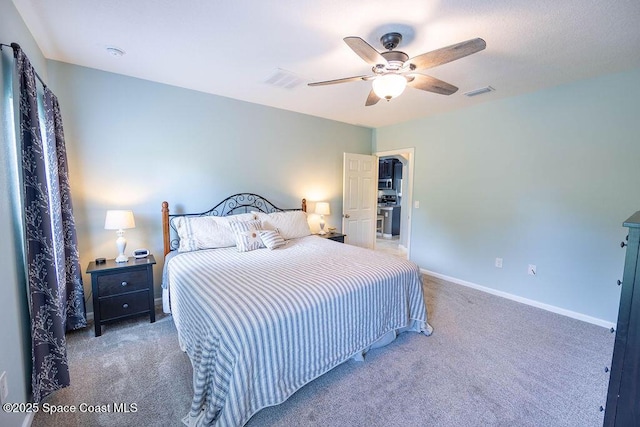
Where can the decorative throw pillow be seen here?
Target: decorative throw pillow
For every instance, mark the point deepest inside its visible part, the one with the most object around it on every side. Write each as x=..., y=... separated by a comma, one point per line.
x=247, y=235
x=290, y=224
x=207, y=232
x=271, y=238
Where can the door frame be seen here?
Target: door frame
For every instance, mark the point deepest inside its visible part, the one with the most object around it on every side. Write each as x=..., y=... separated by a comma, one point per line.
x=409, y=180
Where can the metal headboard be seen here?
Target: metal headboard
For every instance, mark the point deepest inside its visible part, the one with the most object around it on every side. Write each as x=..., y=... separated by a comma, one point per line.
x=232, y=205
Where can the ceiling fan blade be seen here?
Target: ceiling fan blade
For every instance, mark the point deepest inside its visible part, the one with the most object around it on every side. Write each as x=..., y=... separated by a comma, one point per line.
x=447, y=54
x=430, y=84
x=365, y=51
x=345, y=80
x=372, y=99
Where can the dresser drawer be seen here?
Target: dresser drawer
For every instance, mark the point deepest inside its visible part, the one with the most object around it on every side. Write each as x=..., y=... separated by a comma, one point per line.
x=124, y=305
x=117, y=283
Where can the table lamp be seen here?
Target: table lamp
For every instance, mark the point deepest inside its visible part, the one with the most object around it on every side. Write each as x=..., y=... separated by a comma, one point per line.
x=120, y=220
x=322, y=209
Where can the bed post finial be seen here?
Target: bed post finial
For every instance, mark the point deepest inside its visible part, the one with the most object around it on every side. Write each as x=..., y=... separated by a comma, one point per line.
x=304, y=205
x=165, y=228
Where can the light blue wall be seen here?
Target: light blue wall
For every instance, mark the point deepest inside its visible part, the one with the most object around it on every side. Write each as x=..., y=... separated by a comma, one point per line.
x=134, y=143
x=545, y=178
x=15, y=350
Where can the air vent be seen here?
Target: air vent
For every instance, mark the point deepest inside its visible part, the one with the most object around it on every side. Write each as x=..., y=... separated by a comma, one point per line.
x=284, y=79
x=480, y=91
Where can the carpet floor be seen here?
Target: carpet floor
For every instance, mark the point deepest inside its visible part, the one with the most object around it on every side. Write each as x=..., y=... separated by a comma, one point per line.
x=489, y=362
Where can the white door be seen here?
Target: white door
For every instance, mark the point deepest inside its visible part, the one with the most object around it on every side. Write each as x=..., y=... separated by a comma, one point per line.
x=359, y=199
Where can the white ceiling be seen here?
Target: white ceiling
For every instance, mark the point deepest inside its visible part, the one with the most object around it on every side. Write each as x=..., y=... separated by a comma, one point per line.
x=230, y=48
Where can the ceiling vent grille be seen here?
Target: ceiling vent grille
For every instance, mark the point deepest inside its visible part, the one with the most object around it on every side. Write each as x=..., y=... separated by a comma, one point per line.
x=283, y=78
x=480, y=91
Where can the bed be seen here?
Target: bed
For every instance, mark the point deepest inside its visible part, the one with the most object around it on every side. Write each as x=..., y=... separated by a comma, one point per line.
x=259, y=324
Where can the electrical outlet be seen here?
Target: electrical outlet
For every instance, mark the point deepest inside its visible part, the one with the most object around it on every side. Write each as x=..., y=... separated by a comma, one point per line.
x=4, y=389
x=531, y=271
x=416, y=204
x=498, y=262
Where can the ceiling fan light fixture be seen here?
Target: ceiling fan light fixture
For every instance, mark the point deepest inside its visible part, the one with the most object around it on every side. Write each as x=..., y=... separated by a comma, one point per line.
x=389, y=85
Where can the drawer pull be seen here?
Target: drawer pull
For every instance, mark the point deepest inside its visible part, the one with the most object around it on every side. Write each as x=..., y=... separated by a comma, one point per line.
x=124, y=283
x=619, y=282
x=125, y=305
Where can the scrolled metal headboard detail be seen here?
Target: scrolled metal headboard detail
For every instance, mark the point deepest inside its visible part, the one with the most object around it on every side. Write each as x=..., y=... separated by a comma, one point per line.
x=232, y=205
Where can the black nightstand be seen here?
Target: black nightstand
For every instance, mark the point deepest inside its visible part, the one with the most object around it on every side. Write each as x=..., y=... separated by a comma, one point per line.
x=338, y=237
x=122, y=290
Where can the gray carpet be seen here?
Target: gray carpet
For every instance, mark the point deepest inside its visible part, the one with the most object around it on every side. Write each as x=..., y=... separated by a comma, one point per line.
x=489, y=362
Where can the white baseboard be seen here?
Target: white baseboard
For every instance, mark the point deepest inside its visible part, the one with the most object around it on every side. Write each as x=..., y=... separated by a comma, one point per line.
x=157, y=302
x=28, y=419
x=527, y=301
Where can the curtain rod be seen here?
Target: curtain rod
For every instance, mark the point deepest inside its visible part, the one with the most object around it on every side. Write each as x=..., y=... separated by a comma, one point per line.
x=15, y=47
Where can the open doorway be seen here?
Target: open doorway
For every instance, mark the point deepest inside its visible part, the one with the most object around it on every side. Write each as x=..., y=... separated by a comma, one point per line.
x=395, y=187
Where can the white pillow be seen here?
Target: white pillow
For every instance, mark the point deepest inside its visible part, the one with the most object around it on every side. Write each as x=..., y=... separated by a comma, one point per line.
x=290, y=224
x=247, y=234
x=271, y=239
x=207, y=232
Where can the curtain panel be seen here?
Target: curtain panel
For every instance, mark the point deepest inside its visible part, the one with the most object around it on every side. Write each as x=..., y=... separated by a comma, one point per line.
x=56, y=295
x=64, y=223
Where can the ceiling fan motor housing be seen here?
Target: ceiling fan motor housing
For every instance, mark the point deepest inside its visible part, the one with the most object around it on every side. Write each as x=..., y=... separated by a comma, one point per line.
x=395, y=58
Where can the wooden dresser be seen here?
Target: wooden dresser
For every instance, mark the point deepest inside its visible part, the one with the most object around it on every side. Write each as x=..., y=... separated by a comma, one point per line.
x=623, y=398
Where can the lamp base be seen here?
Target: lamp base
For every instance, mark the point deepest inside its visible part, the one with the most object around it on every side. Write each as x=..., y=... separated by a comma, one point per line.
x=121, y=244
x=322, y=232
x=122, y=258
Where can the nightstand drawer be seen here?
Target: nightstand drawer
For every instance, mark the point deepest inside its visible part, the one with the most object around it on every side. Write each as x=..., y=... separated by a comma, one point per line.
x=117, y=283
x=124, y=305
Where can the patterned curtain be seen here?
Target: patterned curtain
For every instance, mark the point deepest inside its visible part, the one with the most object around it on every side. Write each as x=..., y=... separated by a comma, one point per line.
x=64, y=224
x=56, y=293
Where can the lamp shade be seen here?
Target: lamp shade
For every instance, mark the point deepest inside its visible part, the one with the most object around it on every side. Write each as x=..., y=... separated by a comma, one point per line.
x=389, y=85
x=322, y=208
x=119, y=220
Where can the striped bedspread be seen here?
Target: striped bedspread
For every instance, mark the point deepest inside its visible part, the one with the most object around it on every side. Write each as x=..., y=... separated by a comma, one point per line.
x=259, y=325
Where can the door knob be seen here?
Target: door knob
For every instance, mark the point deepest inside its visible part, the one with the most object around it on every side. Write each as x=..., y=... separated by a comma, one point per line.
x=347, y=216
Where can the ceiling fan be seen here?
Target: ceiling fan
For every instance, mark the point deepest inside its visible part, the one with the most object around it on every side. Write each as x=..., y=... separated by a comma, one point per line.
x=393, y=70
